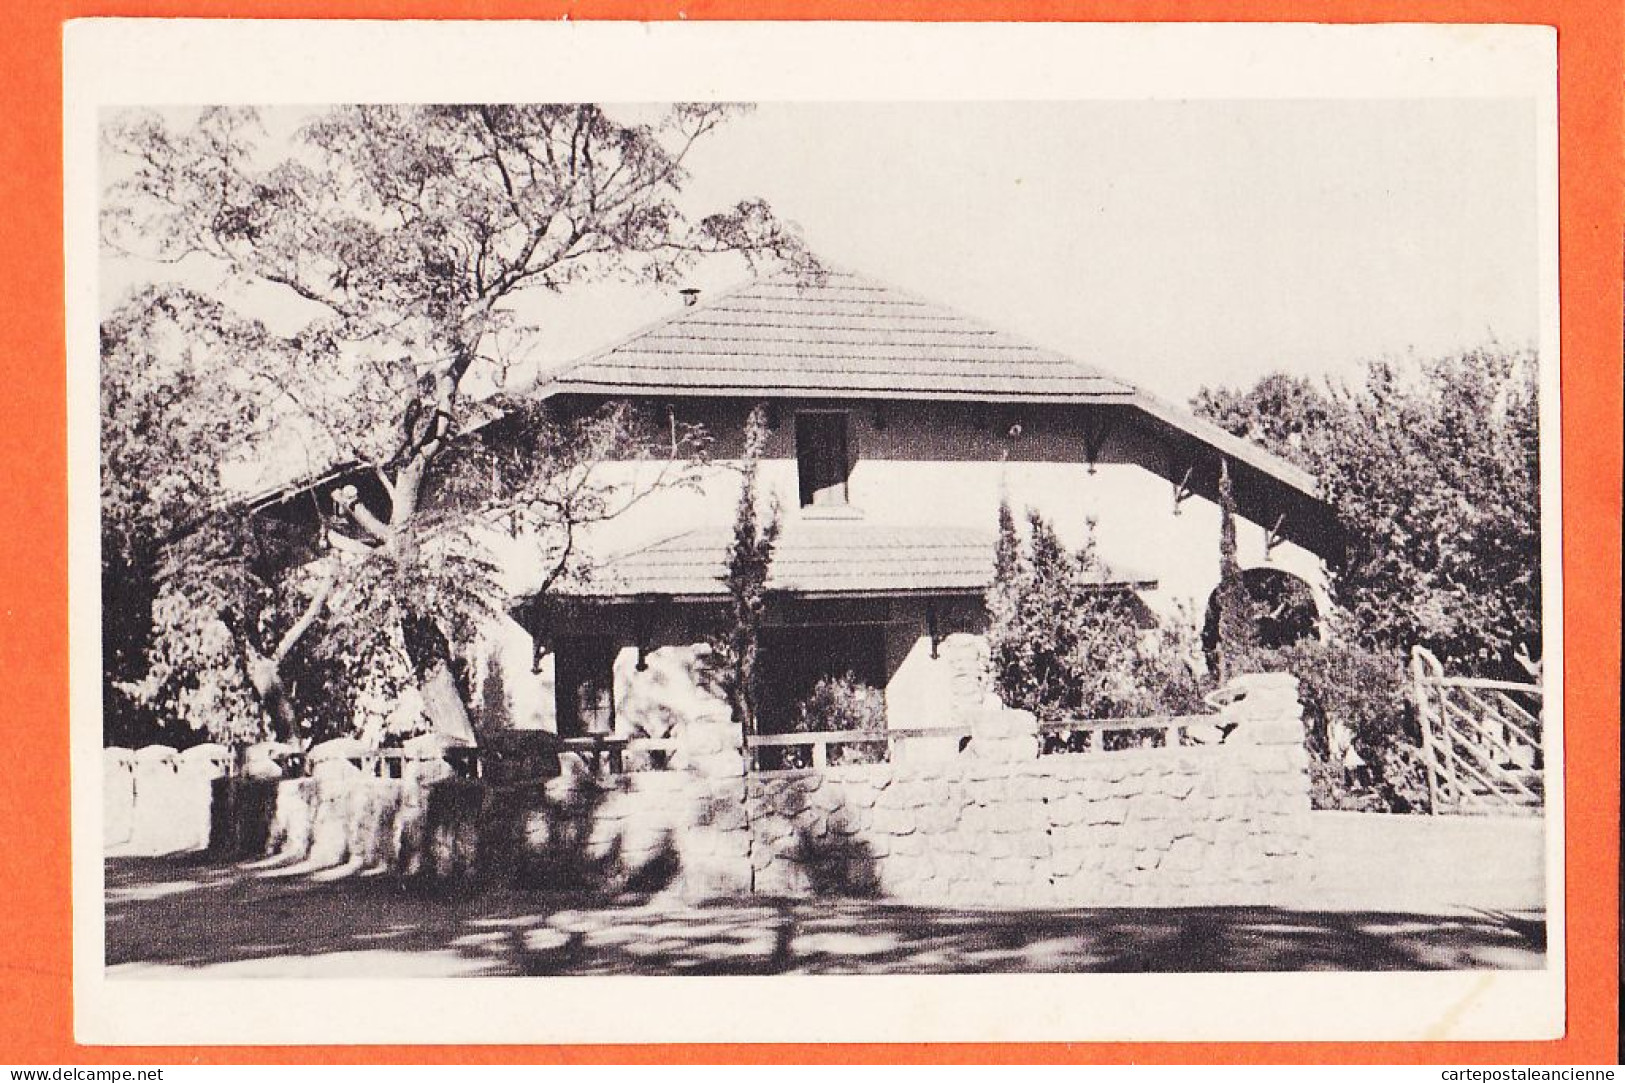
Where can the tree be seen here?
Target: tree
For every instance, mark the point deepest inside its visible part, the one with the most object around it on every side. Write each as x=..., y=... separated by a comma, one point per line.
x=1237, y=615
x=1433, y=470
x=163, y=425
x=1064, y=643
x=1287, y=414
x=393, y=241
x=750, y=559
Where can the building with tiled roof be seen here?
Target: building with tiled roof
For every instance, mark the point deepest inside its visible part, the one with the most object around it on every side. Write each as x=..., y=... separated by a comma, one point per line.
x=896, y=427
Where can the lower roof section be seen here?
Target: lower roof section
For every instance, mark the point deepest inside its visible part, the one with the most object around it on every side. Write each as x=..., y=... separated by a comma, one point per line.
x=814, y=558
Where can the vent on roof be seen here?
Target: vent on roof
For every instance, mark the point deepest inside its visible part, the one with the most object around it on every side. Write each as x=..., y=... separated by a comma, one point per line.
x=691, y=296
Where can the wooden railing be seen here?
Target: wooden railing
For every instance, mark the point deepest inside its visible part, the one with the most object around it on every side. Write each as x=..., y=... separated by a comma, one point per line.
x=817, y=745
x=599, y=752
x=391, y=762
x=1099, y=735
x=532, y=754
x=1120, y=734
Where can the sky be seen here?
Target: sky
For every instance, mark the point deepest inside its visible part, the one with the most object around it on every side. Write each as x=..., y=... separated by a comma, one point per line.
x=1175, y=244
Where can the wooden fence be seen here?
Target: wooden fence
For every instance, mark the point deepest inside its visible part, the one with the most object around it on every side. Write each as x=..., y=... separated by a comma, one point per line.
x=1481, y=740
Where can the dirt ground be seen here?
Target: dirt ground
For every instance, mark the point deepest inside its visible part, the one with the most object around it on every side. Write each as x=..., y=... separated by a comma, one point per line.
x=1392, y=894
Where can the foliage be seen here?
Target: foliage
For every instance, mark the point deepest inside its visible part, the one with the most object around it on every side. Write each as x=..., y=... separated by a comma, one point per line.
x=844, y=703
x=1167, y=671
x=405, y=228
x=735, y=651
x=1433, y=470
x=164, y=424
x=1356, y=698
x=1062, y=645
x=389, y=241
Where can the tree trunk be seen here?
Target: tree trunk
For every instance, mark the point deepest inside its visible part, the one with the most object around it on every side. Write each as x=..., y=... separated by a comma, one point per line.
x=430, y=655
x=443, y=703
x=265, y=677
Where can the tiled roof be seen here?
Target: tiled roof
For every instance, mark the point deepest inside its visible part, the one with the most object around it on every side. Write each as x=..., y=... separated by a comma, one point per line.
x=840, y=334
x=814, y=557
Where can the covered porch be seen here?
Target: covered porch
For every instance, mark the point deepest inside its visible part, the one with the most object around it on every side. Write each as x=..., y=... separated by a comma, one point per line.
x=888, y=609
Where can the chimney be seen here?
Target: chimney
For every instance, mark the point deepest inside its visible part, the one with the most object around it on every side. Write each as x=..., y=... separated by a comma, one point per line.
x=691, y=296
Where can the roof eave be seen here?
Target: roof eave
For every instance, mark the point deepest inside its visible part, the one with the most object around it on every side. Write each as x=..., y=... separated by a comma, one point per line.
x=1229, y=444
x=646, y=597
x=574, y=387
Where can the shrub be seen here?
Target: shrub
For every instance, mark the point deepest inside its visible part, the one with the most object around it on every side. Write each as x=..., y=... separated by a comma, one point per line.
x=840, y=703
x=1355, y=698
x=1168, y=667
x=1062, y=643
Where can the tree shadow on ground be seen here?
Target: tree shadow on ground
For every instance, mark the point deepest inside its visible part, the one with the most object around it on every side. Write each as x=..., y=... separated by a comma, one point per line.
x=182, y=917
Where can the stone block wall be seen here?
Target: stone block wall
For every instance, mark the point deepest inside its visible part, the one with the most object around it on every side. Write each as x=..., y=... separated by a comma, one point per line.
x=994, y=824
x=1196, y=826
x=998, y=825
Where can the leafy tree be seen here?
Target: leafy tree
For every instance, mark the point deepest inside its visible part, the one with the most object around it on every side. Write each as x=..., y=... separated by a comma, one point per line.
x=1287, y=414
x=391, y=243
x=163, y=425
x=1433, y=470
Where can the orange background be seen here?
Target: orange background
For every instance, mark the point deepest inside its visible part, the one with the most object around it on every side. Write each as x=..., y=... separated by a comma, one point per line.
x=35, y=916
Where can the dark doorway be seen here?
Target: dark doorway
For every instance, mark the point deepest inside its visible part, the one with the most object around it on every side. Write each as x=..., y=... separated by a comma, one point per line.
x=584, y=686
x=1283, y=611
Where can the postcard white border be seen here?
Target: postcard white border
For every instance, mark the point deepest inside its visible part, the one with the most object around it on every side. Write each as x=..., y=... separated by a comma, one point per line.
x=150, y=62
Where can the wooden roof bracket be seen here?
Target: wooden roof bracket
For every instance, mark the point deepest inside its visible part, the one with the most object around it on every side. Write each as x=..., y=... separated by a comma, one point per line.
x=1097, y=425
x=644, y=621
x=1273, y=537
x=1183, y=490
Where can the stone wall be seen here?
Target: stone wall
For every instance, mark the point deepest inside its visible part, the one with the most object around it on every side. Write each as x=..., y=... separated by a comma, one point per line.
x=1217, y=825
x=993, y=824
x=997, y=824
x=156, y=800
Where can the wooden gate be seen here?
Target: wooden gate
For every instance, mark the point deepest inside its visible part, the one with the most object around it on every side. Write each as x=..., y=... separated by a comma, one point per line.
x=1481, y=740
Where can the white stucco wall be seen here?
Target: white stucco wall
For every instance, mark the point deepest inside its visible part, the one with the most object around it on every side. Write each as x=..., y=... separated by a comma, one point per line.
x=932, y=464
x=924, y=465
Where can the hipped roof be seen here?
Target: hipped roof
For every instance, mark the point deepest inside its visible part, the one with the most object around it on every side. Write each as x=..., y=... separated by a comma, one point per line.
x=841, y=335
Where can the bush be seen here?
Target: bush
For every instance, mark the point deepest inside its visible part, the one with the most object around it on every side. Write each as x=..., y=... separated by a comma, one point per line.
x=1356, y=699
x=840, y=703
x=834, y=704
x=1065, y=644
x=1167, y=668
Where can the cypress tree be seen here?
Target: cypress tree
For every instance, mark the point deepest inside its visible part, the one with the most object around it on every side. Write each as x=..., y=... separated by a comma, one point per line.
x=750, y=557
x=1238, y=628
